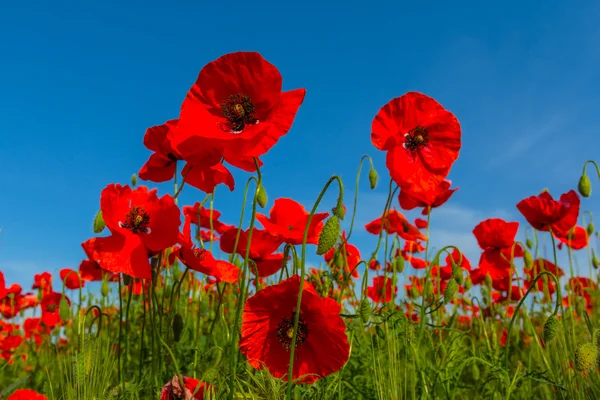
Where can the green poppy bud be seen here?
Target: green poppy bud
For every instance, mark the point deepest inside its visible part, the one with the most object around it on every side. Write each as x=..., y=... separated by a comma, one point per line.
x=329, y=235
x=468, y=284
x=134, y=180
x=104, y=288
x=99, y=224
x=584, y=186
x=364, y=310
x=399, y=264
x=529, y=243
x=590, y=229
x=64, y=311
x=527, y=259
x=488, y=280
x=457, y=274
x=595, y=262
x=373, y=178
x=127, y=279
x=585, y=356
x=450, y=290
x=177, y=327
x=550, y=329
x=261, y=197
x=414, y=293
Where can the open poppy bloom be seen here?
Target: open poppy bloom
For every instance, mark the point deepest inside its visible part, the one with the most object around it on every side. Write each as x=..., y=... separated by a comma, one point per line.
x=262, y=249
x=161, y=165
x=288, y=220
x=421, y=138
x=50, y=305
x=348, y=254
x=42, y=281
x=26, y=394
x=268, y=328
x=395, y=222
x=236, y=106
x=204, y=218
x=377, y=293
x=193, y=389
x=140, y=224
x=71, y=279
x=544, y=213
x=429, y=197
x=91, y=271
x=576, y=238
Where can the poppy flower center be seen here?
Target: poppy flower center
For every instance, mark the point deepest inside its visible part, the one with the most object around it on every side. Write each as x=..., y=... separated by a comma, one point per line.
x=52, y=307
x=416, y=138
x=239, y=111
x=137, y=221
x=285, y=332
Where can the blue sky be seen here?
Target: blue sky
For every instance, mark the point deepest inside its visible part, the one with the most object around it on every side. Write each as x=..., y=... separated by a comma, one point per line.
x=81, y=81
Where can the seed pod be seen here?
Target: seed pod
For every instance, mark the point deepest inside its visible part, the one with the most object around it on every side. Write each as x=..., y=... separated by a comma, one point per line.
x=104, y=288
x=584, y=186
x=399, y=264
x=468, y=284
x=457, y=274
x=590, y=229
x=450, y=290
x=329, y=235
x=99, y=224
x=261, y=197
x=177, y=327
x=585, y=356
x=373, y=178
x=595, y=262
x=527, y=259
x=338, y=260
x=364, y=310
x=133, y=180
x=529, y=243
x=550, y=329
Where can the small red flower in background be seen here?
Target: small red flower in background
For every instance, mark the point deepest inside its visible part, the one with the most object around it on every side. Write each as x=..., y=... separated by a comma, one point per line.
x=262, y=249
x=200, y=216
x=26, y=394
x=207, y=178
x=350, y=255
x=543, y=212
x=454, y=259
x=576, y=238
x=42, y=281
x=71, y=278
x=267, y=329
x=140, y=224
x=3, y=290
x=174, y=390
x=429, y=197
x=50, y=305
x=421, y=138
x=288, y=220
x=376, y=291
x=34, y=328
x=540, y=265
x=161, y=165
x=420, y=223
x=91, y=271
x=395, y=222
x=236, y=106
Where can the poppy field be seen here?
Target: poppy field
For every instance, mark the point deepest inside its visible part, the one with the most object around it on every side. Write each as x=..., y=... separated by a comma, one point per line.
x=180, y=301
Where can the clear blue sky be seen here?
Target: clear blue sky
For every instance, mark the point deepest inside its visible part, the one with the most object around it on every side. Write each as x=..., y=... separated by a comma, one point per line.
x=81, y=81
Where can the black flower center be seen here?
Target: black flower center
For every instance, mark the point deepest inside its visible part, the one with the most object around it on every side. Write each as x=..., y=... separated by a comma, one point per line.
x=137, y=221
x=51, y=307
x=285, y=331
x=416, y=138
x=239, y=111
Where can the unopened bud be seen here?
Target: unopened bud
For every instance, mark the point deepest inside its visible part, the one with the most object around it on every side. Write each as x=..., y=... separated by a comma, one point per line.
x=134, y=180
x=364, y=310
x=64, y=311
x=550, y=329
x=399, y=262
x=468, y=283
x=329, y=235
x=529, y=243
x=261, y=197
x=414, y=293
x=595, y=262
x=450, y=290
x=99, y=224
x=373, y=178
x=585, y=356
x=177, y=327
x=488, y=280
x=584, y=186
x=127, y=279
x=590, y=229
x=527, y=259
x=104, y=288
x=457, y=274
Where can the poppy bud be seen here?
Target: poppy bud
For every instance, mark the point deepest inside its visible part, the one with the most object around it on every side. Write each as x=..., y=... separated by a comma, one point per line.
x=442, y=350
x=596, y=338
x=428, y=289
x=329, y=235
x=364, y=310
x=595, y=262
x=584, y=186
x=529, y=243
x=550, y=329
x=579, y=308
x=585, y=356
x=475, y=373
x=338, y=260
x=64, y=310
x=488, y=280
x=468, y=283
x=373, y=178
x=126, y=279
x=339, y=210
x=99, y=224
x=450, y=290
x=527, y=259
x=590, y=228
x=399, y=264
x=414, y=293
x=177, y=327
x=133, y=180
x=457, y=274
x=261, y=197
x=104, y=288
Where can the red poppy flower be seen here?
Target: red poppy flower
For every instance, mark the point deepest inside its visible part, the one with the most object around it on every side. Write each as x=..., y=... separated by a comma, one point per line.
x=202, y=260
x=410, y=247
x=3, y=290
x=350, y=255
x=376, y=291
x=71, y=279
x=288, y=220
x=236, y=105
x=261, y=250
x=207, y=178
x=26, y=394
x=421, y=138
x=50, y=305
x=496, y=233
x=576, y=238
x=42, y=281
x=582, y=285
x=193, y=389
x=91, y=271
x=420, y=223
x=202, y=217
x=426, y=197
x=374, y=265
x=395, y=223
x=267, y=329
x=33, y=328
x=140, y=223
x=543, y=212
x=454, y=259
x=161, y=165
x=540, y=266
